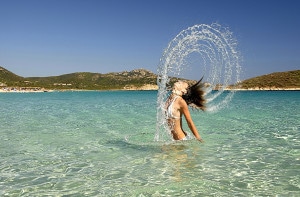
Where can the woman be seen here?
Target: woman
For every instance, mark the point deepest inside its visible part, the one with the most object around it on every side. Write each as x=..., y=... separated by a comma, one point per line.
x=177, y=105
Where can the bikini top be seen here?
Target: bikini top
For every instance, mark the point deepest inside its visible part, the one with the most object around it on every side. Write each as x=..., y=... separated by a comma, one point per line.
x=170, y=109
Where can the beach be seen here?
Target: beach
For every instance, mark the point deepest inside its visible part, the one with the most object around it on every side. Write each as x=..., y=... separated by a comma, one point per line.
x=23, y=89
x=133, y=88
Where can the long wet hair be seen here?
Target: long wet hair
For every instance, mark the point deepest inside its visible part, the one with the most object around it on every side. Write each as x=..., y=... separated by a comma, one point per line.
x=195, y=95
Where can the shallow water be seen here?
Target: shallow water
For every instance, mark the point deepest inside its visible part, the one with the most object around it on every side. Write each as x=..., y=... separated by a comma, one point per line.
x=102, y=144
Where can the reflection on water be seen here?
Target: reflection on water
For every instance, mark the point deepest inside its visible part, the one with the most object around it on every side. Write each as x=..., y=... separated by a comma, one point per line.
x=181, y=160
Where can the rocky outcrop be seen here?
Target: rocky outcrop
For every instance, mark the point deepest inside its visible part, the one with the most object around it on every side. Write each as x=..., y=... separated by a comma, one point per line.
x=144, y=87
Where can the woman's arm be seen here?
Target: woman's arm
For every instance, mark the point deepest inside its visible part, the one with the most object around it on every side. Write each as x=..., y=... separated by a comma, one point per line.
x=185, y=110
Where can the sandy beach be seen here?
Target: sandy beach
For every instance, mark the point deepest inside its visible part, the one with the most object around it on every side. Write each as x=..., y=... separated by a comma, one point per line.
x=23, y=89
x=132, y=88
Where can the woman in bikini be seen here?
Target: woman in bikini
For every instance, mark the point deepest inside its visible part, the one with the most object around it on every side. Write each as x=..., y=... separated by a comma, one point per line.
x=177, y=105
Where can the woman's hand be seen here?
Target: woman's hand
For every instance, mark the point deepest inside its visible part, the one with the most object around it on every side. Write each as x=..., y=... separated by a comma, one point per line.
x=200, y=140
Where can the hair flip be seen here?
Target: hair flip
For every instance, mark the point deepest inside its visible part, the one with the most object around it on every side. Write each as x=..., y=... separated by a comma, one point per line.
x=195, y=95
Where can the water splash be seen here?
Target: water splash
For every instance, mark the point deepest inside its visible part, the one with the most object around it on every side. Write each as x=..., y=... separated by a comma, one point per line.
x=207, y=50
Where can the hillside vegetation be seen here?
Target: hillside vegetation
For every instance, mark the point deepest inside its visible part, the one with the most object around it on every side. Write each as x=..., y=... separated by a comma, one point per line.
x=96, y=81
x=8, y=78
x=82, y=80
x=135, y=79
x=289, y=79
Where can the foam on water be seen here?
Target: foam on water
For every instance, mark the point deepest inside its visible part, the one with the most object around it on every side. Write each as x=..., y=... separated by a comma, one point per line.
x=208, y=50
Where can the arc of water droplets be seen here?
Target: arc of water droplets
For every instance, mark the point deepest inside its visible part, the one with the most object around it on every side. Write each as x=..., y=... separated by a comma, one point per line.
x=221, y=65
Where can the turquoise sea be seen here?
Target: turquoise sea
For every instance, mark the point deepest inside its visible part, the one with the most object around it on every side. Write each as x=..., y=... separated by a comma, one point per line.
x=102, y=144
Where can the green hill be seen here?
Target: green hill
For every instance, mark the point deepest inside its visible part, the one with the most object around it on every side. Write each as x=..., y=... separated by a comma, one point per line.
x=289, y=79
x=96, y=81
x=134, y=79
x=82, y=80
x=8, y=78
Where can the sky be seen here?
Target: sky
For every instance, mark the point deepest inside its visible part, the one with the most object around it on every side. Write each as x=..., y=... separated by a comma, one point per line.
x=55, y=37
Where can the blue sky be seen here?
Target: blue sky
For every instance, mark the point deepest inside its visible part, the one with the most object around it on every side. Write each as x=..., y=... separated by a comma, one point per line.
x=54, y=37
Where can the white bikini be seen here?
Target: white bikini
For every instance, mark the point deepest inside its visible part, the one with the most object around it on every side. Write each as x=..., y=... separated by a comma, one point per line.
x=170, y=109
x=170, y=115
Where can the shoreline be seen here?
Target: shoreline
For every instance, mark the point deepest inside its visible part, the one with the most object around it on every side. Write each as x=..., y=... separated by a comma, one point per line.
x=40, y=90
x=263, y=89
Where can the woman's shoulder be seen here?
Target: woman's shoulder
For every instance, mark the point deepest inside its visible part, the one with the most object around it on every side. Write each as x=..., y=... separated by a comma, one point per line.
x=181, y=101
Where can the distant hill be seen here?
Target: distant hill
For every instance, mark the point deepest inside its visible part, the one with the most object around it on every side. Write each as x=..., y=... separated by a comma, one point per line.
x=8, y=78
x=97, y=81
x=132, y=80
x=289, y=79
x=135, y=79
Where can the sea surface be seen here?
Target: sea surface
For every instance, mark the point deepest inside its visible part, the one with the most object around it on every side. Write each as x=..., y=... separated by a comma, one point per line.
x=102, y=144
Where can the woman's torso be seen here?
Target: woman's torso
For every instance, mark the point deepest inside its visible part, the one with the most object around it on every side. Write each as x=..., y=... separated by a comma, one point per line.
x=174, y=117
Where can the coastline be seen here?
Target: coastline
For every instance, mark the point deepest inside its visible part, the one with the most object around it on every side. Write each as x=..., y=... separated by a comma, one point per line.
x=147, y=87
x=263, y=89
x=23, y=89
